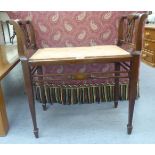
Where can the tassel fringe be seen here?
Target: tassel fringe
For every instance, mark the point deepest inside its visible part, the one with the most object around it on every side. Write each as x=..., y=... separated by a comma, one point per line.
x=66, y=94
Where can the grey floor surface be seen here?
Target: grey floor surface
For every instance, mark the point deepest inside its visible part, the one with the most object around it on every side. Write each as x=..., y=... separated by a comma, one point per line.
x=94, y=123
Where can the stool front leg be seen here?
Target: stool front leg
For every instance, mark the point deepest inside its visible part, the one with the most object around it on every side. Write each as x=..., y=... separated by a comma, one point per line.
x=29, y=92
x=133, y=79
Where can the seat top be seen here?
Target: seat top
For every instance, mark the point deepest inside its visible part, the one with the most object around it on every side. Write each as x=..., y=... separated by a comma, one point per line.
x=73, y=53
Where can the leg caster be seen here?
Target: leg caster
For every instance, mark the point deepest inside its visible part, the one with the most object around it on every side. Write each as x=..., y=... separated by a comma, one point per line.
x=129, y=129
x=36, y=133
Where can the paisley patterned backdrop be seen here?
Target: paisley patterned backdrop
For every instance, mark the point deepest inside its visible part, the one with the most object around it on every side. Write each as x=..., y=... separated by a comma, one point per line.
x=58, y=29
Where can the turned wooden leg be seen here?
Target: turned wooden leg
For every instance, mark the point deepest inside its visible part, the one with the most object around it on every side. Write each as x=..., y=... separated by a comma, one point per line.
x=42, y=90
x=133, y=79
x=116, y=86
x=29, y=92
x=4, y=126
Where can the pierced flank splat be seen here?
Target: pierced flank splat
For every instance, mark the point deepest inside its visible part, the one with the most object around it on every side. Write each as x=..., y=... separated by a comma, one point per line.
x=130, y=31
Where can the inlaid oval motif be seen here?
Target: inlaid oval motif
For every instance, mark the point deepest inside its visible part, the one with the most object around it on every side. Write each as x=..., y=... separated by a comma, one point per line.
x=68, y=26
x=60, y=69
x=81, y=16
x=68, y=43
x=57, y=36
x=107, y=15
x=55, y=17
x=42, y=27
x=92, y=42
x=106, y=35
x=81, y=35
x=93, y=25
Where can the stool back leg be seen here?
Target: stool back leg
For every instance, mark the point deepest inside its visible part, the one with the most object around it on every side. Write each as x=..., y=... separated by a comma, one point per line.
x=116, y=86
x=133, y=79
x=30, y=94
x=42, y=89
